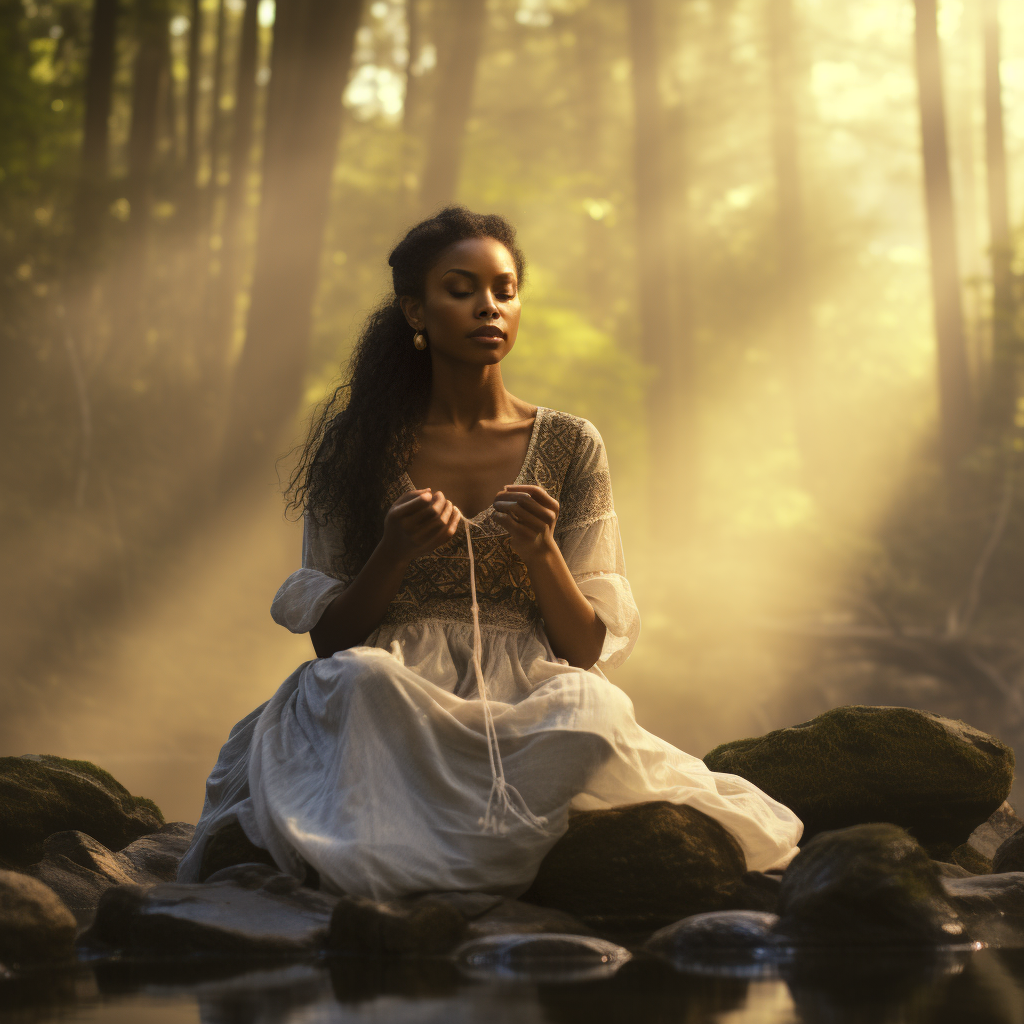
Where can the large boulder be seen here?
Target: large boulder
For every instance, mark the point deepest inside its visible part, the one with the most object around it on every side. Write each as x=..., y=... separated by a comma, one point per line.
x=41, y=794
x=867, y=885
x=639, y=867
x=248, y=909
x=937, y=778
x=34, y=925
x=80, y=869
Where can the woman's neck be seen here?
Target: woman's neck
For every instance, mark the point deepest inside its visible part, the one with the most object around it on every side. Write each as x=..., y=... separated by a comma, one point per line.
x=464, y=395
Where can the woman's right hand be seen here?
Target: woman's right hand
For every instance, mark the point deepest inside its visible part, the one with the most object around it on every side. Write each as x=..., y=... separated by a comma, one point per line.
x=417, y=523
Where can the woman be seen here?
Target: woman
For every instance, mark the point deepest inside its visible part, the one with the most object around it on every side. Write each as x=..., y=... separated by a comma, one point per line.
x=439, y=742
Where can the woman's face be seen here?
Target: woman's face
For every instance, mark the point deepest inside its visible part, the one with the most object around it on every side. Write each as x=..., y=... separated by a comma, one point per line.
x=470, y=308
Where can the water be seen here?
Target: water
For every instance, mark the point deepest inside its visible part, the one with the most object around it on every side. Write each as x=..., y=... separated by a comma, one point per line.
x=983, y=987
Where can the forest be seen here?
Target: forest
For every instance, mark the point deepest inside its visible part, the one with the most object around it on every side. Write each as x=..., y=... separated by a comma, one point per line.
x=775, y=255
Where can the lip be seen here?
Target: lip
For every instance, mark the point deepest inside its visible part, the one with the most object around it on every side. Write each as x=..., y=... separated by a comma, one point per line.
x=488, y=334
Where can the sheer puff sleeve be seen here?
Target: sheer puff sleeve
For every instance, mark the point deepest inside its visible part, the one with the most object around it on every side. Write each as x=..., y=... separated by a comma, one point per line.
x=587, y=533
x=305, y=595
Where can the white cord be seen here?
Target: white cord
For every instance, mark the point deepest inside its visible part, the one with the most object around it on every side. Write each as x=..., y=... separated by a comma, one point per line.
x=504, y=799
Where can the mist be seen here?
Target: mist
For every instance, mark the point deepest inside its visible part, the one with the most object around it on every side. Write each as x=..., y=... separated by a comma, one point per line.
x=774, y=256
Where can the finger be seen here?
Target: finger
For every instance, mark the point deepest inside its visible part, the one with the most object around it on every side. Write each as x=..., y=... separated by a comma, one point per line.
x=535, y=491
x=428, y=512
x=527, y=503
x=453, y=523
x=513, y=527
x=523, y=515
x=446, y=512
x=413, y=503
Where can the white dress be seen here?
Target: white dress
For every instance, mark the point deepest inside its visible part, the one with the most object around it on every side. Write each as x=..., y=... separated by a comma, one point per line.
x=373, y=765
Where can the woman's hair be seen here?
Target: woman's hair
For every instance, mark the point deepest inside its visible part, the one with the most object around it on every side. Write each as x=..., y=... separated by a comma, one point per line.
x=364, y=435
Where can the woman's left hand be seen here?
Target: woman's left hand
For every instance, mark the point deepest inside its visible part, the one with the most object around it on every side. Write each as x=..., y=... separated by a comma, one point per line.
x=528, y=512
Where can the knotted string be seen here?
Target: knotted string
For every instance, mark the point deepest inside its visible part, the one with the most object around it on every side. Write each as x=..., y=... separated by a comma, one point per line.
x=504, y=799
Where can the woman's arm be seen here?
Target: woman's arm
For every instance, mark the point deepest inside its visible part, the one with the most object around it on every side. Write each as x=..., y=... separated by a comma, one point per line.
x=416, y=524
x=528, y=512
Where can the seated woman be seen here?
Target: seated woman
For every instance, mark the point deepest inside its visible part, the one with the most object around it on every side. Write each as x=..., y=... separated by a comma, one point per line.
x=463, y=585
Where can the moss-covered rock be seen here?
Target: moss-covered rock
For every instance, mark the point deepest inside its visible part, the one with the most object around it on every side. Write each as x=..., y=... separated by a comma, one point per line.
x=640, y=867
x=936, y=777
x=1009, y=855
x=870, y=885
x=42, y=794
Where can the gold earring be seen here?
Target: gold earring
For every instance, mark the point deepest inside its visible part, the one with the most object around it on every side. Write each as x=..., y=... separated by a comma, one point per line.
x=419, y=339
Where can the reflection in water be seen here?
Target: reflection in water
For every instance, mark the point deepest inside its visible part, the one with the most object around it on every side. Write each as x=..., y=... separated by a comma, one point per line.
x=837, y=988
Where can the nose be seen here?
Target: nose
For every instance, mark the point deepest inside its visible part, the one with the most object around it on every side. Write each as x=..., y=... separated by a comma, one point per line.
x=488, y=308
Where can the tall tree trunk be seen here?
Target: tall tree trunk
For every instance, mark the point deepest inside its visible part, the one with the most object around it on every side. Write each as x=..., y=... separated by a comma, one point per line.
x=195, y=36
x=459, y=46
x=99, y=85
x=217, y=118
x=414, y=31
x=1004, y=369
x=794, y=298
x=662, y=345
x=219, y=318
x=954, y=384
x=310, y=64
x=148, y=68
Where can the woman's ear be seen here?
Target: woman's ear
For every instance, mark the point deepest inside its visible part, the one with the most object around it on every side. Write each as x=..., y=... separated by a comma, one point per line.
x=413, y=310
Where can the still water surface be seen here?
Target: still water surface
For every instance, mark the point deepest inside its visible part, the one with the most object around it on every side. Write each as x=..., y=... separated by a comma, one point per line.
x=986, y=987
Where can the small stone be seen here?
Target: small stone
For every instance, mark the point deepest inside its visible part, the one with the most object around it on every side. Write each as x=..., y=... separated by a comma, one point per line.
x=639, y=867
x=991, y=906
x=41, y=794
x=276, y=917
x=991, y=834
x=541, y=957
x=937, y=778
x=720, y=930
x=866, y=885
x=34, y=925
x=424, y=926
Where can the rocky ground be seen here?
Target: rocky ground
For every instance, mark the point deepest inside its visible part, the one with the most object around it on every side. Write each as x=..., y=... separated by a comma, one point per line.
x=909, y=843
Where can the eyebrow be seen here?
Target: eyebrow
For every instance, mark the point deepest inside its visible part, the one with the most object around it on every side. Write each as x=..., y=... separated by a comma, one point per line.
x=469, y=273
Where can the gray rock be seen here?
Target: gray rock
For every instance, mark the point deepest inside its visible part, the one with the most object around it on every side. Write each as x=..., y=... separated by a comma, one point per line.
x=81, y=869
x=41, y=794
x=514, y=917
x=34, y=925
x=720, y=930
x=938, y=778
x=991, y=906
x=541, y=957
x=1010, y=854
x=991, y=834
x=867, y=885
x=251, y=914
x=640, y=867
x=425, y=926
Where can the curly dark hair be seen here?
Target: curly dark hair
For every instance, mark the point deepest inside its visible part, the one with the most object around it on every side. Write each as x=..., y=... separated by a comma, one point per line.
x=363, y=436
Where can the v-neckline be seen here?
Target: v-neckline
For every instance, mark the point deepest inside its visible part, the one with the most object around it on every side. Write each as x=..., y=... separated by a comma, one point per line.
x=530, y=447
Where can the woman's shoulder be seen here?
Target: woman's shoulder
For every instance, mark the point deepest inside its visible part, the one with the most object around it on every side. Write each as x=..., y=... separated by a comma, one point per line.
x=570, y=440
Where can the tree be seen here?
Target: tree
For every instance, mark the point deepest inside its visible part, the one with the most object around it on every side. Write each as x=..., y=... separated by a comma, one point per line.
x=664, y=346
x=221, y=295
x=954, y=384
x=151, y=52
x=1004, y=369
x=795, y=318
x=460, y=39
x=310, y=64
x=99, y=86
